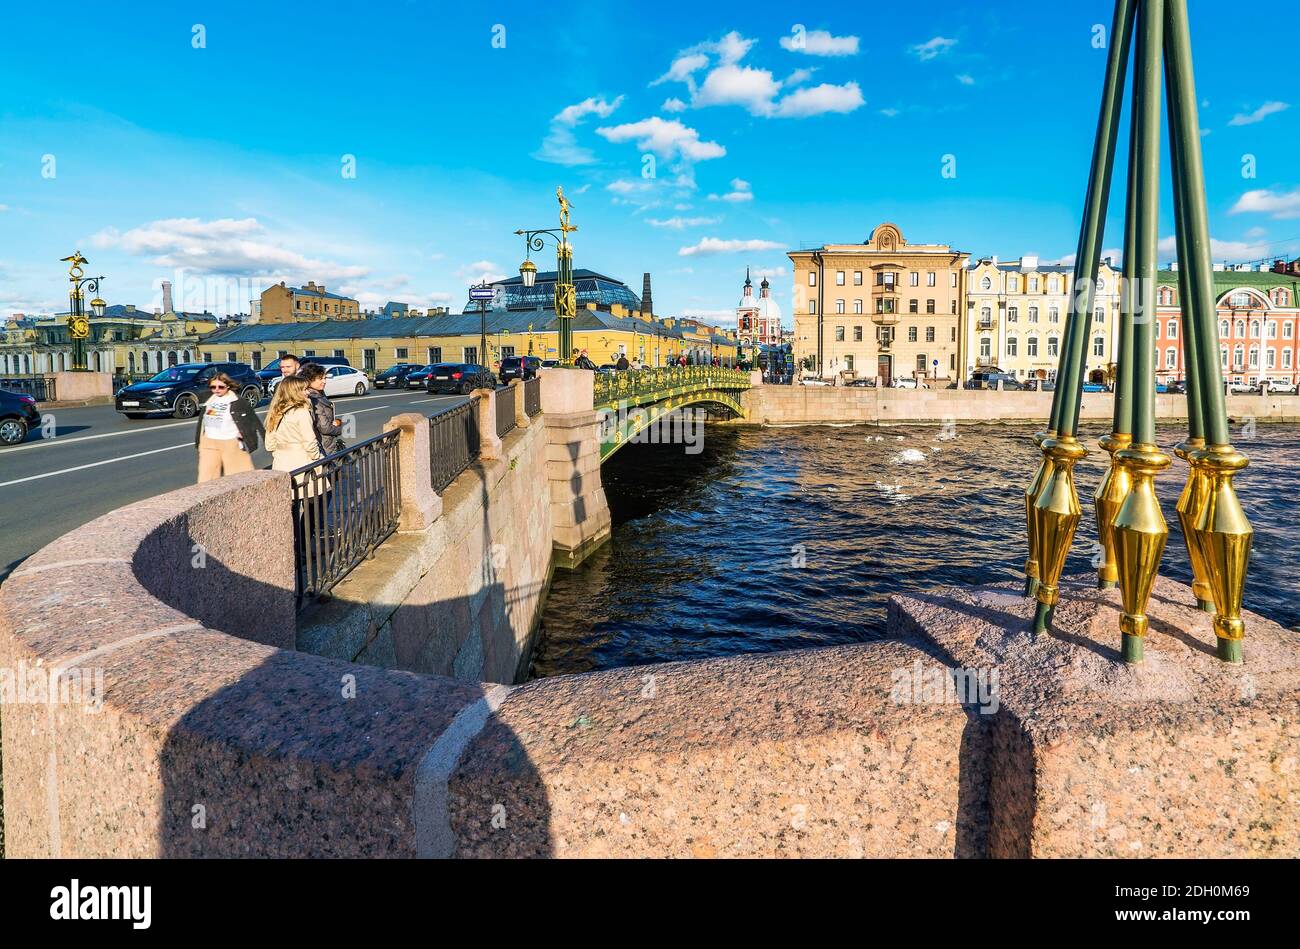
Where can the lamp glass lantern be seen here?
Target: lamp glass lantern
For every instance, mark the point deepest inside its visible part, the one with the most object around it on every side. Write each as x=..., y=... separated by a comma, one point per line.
x=97, y=306
x=528, y=271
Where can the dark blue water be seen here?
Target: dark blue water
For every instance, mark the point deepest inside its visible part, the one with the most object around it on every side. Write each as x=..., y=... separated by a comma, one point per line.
x=784, y=538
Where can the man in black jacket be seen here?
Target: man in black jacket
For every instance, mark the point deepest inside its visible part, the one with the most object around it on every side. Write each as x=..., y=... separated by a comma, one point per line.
x=327, y=425
x=584, y=361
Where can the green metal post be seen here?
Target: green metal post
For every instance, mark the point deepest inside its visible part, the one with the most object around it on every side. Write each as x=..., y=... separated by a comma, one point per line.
x=1147, y=92
x=1094, y=220
x=1123, y=418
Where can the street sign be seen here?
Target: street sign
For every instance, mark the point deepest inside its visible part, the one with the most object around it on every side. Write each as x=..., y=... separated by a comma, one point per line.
x=481, y=293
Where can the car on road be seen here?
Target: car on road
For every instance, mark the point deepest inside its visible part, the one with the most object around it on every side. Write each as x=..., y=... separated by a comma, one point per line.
x=1177, y=387
x=180, y=390
x=519, y=367
x=269, y=373
x=416, y=378
x=989, y=379
x=339, y=380
x=394, y=377
x=18, y=416
x=550, y=363
x=814, y=381
x=1241, y=388
x=905, y=383
x=1093, y=387
x=1039, y=385
x=459, y=378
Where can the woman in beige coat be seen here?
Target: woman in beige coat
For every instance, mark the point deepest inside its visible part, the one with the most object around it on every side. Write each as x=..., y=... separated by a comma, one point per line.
x=290, y=435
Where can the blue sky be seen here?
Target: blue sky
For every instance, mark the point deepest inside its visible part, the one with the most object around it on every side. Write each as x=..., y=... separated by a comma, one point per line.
x=221, y=167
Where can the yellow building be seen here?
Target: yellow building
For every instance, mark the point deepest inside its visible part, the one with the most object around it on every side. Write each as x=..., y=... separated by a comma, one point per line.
x=374, y=345
x=1016, y=314
x=282, y=304
x=882, y=308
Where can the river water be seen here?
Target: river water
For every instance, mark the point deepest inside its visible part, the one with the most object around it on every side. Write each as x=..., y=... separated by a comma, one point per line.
x=781, y=538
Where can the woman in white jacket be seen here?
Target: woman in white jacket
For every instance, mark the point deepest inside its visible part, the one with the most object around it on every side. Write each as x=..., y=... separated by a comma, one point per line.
x=290, y=435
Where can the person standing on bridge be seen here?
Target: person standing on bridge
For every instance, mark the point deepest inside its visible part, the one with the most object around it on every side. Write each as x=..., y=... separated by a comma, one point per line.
x=584, y=361
x=227, y=433
x=290, y=435
x=328, y=427
x=622, y=363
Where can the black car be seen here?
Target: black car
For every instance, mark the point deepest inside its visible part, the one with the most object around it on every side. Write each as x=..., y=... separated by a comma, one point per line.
x=18, y=416
x=418, y=376
x=271, y=370
x=394, y=377
x=519, y=367
x=180, y=390
x=989, y=379
x=459, y=378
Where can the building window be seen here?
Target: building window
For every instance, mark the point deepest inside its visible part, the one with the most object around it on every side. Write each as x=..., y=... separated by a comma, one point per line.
x=401, y=354
x=1033, y=314
x=1033, y=284
x=1012, y=345
x=1013, y=314
x=1286, y=330
x=857, y=306
x=1099, y=346
x=308, y=353
x=1013, y=284
x=257, y=359
x=1241, y=299
x=368, y=359
x=839, y=278
x=1031, y=346
x=435, y=353
x=1239, y=357
x=1054, y=314
x=1270, y=329
x=929, y=334
x=1173, y=329
x=1225, y=329
x=839, y=306
x=911, y=334
x=1254, y=329
x=952, y=282
x=1223, y=356
x=930, y=278
x=857, y=278
x=929, y=306
x=1171, y=358
x=812, y=278
x=857, y=334
x=986, y=283
x=470, y=355
x=986, y=347
x=839, y=334
x=508, y=351
x=207, y=357
x=812, y=307
x=1241, y=329
x=1286, y=359
x=848, y=362
x=1100, y=316
x=1270, y=359
x=1254, y=357
x=986, y=316
x=914, y=279
x=912, y=306
x=1054, y=285
x=920, y=364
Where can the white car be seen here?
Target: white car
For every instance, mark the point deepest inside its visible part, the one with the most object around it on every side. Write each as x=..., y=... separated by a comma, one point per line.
x=339, y=380
x=814, y=381
x=902, y=383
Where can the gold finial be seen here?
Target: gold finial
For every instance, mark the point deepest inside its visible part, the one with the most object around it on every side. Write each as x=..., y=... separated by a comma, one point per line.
x=74, y=264
x=565, y=227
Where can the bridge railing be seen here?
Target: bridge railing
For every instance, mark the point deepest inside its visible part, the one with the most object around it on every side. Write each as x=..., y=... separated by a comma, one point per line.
x=505, y=405
x=611, y=387
x=38, y=387
x=344, y=506
x=453, y=443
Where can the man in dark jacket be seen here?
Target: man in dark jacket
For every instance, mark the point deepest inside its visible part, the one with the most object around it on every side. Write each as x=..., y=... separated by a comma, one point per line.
x=622, y=363
x=584, y=361
x=327, y=425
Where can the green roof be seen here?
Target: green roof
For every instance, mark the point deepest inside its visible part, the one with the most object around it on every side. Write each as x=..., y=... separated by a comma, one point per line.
x=1225, y=280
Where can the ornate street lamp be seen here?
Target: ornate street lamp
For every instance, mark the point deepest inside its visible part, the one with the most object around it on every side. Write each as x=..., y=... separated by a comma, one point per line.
x=566, y=297
x=1131, y=527
x=78, y=324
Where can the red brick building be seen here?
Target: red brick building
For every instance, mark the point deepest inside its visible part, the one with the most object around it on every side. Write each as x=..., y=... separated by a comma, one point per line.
x=1259, y=326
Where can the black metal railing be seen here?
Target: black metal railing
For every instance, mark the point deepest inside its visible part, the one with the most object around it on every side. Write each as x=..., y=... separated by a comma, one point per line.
x=38, y=387
x=344, y=506
x=122, y=379
x=505, y=411
x=532, y=396
x=453, y=443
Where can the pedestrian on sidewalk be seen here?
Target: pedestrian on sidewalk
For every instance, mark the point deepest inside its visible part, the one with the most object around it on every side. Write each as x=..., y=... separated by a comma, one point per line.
x=290, y=435
x=584, y=361
x=622, y=363
x=227, y=433
x=329, y=429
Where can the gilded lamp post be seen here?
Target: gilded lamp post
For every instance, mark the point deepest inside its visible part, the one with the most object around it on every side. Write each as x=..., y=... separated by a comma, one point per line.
x=566, y=297
x=1130, y=525
x=78, y=322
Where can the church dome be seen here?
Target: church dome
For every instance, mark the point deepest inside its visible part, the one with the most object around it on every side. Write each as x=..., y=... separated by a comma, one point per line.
x=769, y=308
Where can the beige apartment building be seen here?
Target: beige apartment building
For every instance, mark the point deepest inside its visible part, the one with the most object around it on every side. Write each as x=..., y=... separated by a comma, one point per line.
x=1016, y=313
x=882, y=308
x=282, y=304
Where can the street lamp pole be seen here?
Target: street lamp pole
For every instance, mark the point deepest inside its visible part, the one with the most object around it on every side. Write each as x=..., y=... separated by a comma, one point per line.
x=78, y=324
x=566, y=297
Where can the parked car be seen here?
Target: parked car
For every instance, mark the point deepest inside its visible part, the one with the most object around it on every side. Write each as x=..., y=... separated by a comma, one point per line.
x=607, y=367
x=1039, y=385
x=459, y=377
x=180, y=390
x=271, y=371
x=814, y=381
x=989, y=379
x=1241, y=388
x=418, y=377
x=339, y=380
x=1177, y=387
x=1093, y=387
x=18, y=416
x=902, y=382
x=519, y=367
x=394, y=377
x=550, y=363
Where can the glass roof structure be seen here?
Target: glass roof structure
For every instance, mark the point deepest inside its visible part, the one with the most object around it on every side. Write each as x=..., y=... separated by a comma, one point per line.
x=591, y=287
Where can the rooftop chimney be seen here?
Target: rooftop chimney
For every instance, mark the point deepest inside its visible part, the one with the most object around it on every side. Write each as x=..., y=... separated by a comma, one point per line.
x=647, y=305
x=167, y=296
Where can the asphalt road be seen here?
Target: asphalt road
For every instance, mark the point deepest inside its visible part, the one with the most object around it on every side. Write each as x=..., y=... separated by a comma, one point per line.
x=99, y=460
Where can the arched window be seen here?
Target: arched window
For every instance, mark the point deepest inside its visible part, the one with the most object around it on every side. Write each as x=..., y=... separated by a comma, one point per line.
x=1254, y=329
x=1031, y=347
x=1054, y=285
x=1171, y=358
x=1241, y=329
x=130, y=363
x=1225, y=329
x=1033, y=314
x=1053, y=346
x=986, y=347
x=1099, y=346
x=986, y=283
x=1173, y=329
x=986, y=315
x=1012, y=345
x=1054, y=314
x=1270, y=329
x=1239, y=356
x=1223, y=356
x=1254, y=357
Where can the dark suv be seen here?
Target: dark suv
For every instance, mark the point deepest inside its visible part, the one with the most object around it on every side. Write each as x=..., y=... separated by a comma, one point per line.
x=271, y=371
x=18, y=416
x=394, y=377
x=989, y=379
x=519, y=367
x=180, y=390
x=460, y=378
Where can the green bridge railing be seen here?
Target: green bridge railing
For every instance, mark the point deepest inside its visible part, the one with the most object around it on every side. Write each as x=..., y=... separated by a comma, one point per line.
x=644, y=386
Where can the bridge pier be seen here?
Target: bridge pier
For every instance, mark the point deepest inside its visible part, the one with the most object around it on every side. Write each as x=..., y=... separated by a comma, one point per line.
x=579, y=512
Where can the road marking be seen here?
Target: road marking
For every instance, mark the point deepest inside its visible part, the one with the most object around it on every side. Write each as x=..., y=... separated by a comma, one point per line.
x=93, y=464
x=49, y=442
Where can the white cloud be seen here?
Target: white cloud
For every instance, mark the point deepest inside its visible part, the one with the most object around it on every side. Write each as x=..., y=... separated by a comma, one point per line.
x=628, y=186
x=889, y=113
x=797, y=78
x=714, y=245
x=966, y=79
x=769, y=272
x=1280, y=206
x=932, y=48
x=819, y=100
x=1229, y=251
x=1260, y=114
x=224, y=246
x=683, y=68
x=695, y=314
x=673, y=104
x=732, y=47
x=560, y=146
x=741, y=190
x=681, y=223
x=3, y=208
x=1255, y=233
x=821, y=43
x=481, y=271
x=666, y=138
x=754, y=89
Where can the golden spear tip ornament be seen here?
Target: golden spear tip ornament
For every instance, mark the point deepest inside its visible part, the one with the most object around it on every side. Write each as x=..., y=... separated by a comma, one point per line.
x=1031, y=495
x=1111, y=491
x=1056, y=514
x=1140, y=534
x=1191, y=505
x=1225, y=536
